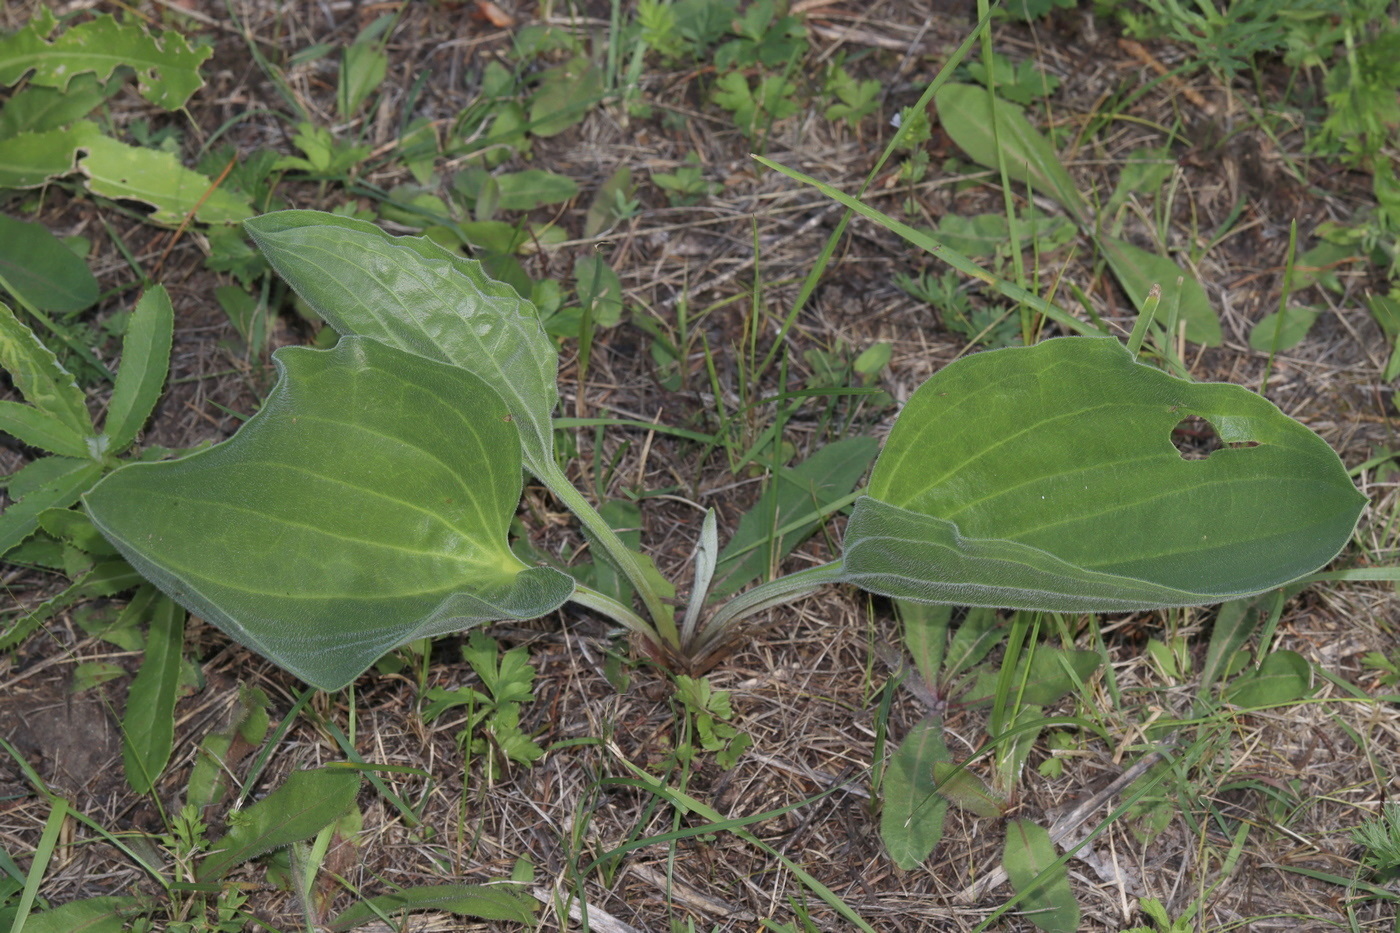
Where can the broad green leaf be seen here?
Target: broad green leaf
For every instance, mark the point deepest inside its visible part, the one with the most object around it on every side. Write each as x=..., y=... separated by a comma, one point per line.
x=599, y=290
x=35, y=428
x=1045, y=477
x=481, y=901
x=365, y=505
x=974, y=639
x=28, y=160
x=965, y=112
x=21, y=518
x=1137, y=271
x=1047, y=900
x=116, y=170
x=166, y=65
x=532, y=188
x=38, y=109
x=566, y=93
x=412, y=294
x=1235, y=622
x=148, y=725
x=1282, y=677
x=794, y=494
x=38, y=375
x=307, y=803
x=911, y=817
x=966, y=790
x=362, y=69
x=604, y=211
x=91, y=915
x=1282, y=330
x=145, y=361
x=36, y=267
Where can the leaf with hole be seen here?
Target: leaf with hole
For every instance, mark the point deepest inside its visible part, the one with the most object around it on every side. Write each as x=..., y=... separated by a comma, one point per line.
x=166, y=65
x=412, y=294
x=1045, y=477
x=364, y=506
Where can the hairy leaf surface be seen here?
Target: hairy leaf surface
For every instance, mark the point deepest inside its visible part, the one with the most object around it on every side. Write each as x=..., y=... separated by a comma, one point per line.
x=413, y=294
x=364, y=506
x=1045, y=477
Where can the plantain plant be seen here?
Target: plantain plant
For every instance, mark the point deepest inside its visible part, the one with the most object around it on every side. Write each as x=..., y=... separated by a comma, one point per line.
x=367, y=504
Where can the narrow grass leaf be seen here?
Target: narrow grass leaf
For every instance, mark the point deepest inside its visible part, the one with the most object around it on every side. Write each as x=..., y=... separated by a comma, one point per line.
x=148, y=725
x=38, y=375
x=966, y=113
x=391, y=478
x=416, y=296
x=1137, y=271
x=307, y=803
x=1029, y=859
x=1045, y=477
x=91, y=915
x=911, y=816
x=480, y=901
x=803, y=490
x=145, y=362
x=1282, y=677
x=37, y=267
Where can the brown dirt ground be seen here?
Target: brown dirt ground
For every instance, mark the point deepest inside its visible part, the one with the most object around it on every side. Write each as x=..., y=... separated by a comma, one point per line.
x=808, y=688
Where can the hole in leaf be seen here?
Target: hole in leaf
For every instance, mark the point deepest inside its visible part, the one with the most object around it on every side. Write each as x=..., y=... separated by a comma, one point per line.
x=1195, y=439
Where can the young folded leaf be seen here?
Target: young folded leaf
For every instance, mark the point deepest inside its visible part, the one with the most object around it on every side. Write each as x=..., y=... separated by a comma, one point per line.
x=1045, y=477
x=365, y=505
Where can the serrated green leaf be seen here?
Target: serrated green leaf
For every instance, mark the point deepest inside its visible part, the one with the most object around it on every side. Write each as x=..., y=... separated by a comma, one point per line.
x=1047, y=900
x=307, y=803
x=965, y=111
x=38, y=375
x=166, y=66
x=365, y=505
x=148, y=725
x=145, y=361
x=1045, y=477
x=412, y=294
x=483, y=902
x=41, y=271
x=1137, y=271
x=21, y=518
x=39, y=429
x=911, y=818
x=1282, y=677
